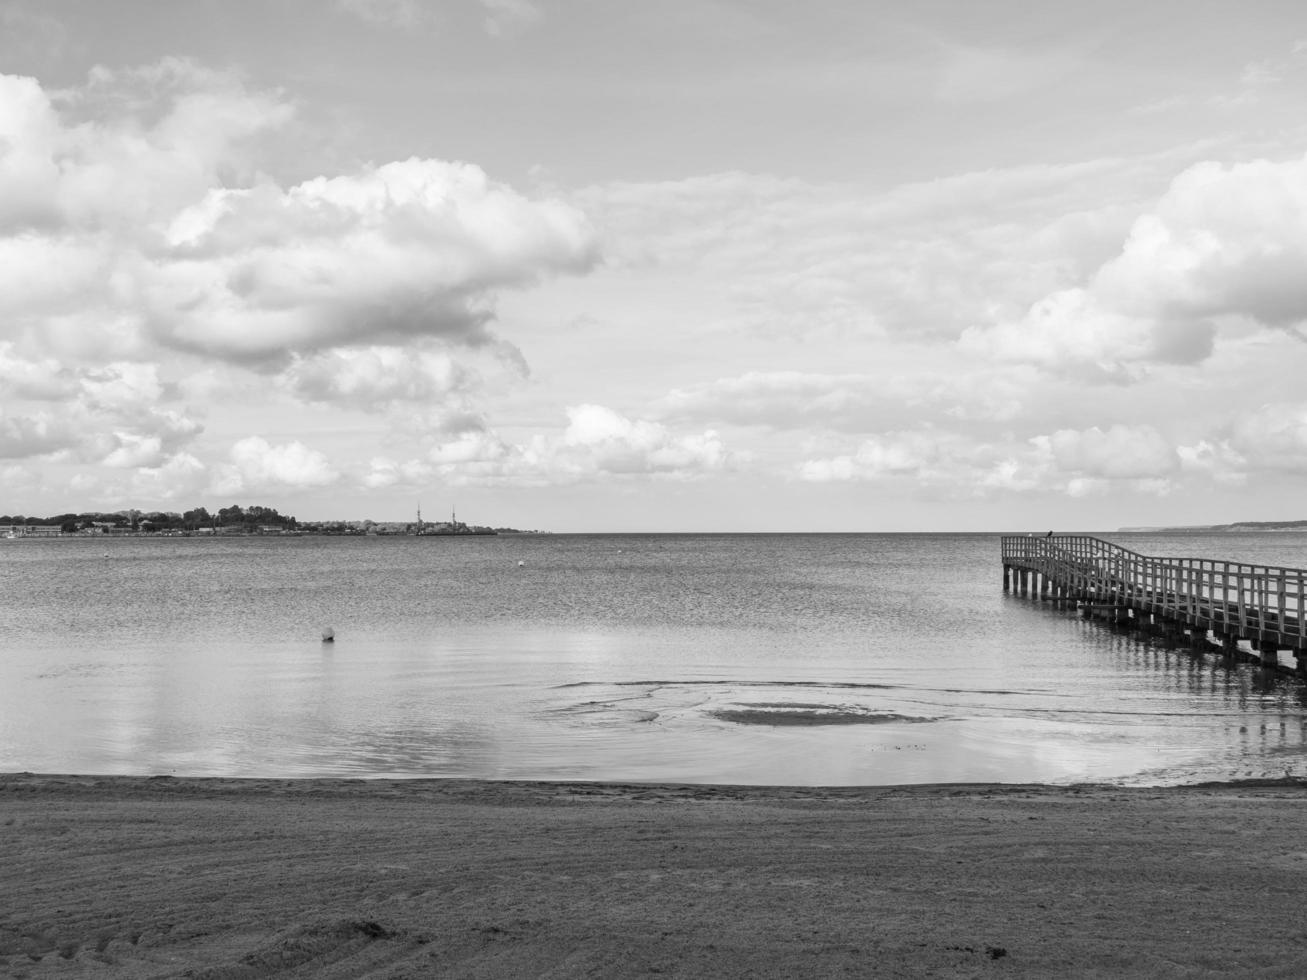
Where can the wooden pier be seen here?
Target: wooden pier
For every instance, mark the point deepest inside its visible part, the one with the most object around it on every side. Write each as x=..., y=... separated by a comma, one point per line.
x=1183, y=598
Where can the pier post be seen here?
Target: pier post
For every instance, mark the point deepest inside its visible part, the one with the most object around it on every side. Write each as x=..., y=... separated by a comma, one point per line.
x=1300, y=658
x=1230, y=645
x=1269, y=651
x=1007, y=574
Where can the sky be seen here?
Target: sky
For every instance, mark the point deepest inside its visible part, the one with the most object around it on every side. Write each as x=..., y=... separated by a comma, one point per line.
x=695, y=265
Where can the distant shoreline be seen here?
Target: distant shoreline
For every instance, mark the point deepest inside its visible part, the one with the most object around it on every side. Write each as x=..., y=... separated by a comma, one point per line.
x=1244, y=526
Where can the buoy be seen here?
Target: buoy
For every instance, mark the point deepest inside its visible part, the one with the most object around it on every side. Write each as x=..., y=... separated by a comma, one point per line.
x=328, y=635
x=521, y=564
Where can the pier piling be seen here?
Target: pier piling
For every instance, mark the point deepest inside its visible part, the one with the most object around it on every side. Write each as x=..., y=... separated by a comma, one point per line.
x=1183, y=599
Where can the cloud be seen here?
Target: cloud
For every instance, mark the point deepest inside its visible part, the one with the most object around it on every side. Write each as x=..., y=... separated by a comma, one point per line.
x=180, y=477
x=788, y=399
x=257, y=465
x=114, y=415
x=924, y=455
x=923, y=260
x=39, y=434
x=372, y=378
x=502, y=17
x=1221, y=241
x=1069, y=461
x=15, y=478
x=151, y=217
x=45, y=379
x=506, y=16
x=1120, y=452
x=126, y=150
x=1070, y=331
x=383, y=472
x=1269, y=438
x=409, y=249
x=600, y=439
x=597, y=444
x=404, y=14
x=899, y=390
x=122, y=387
x=1222, y=244
x=135, y=450
x=126, y=399
x=140, y=238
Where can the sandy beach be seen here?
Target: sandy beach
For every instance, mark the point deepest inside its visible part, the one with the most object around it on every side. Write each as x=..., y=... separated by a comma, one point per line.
x=162, y=877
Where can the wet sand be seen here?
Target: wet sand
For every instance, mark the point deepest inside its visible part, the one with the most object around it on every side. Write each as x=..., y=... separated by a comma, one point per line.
x=136, y=877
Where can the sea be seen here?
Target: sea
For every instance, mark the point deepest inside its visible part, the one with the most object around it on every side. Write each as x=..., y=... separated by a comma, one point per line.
x=763, y=659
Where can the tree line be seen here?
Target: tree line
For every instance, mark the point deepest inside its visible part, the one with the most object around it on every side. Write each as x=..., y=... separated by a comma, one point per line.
x=250, y=517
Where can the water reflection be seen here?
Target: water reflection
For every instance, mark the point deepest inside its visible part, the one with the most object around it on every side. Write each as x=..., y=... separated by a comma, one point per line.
x=641, y=658
x=1250, y=718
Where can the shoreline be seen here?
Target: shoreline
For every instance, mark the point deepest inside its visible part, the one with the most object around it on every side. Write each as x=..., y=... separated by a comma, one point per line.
x=127, y=876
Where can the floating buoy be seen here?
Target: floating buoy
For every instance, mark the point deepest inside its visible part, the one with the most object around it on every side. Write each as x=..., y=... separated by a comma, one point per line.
x=328, y=635
x=521, y=564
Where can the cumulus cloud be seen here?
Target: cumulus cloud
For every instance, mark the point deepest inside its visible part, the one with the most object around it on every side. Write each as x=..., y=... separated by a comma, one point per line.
x=597, y=444
x=44, y=379
x=1070, y=461
x=1116, y=453
x=135, y=450
x=374, y=377
x=125, y=151
x=127, y=399
x=142, y=245
x=1223, y=243
x=383, y=472
x=609, y=442
x=924, y=454
x=180, y=477
x=409, y=249
x=122, y=386
x=1072, y=332
x=115, y=414
x=38, y=434
x=256, y=464
x=152, y=218
x=1270, y=437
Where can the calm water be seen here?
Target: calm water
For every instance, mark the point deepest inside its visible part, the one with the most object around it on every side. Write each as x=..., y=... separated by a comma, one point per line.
x=609, y=657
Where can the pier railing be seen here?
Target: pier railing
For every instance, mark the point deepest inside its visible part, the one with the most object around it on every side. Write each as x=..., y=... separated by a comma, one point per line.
x=1263, y=604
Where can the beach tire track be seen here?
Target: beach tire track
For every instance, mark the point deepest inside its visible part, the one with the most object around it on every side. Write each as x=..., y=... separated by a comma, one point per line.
x=343, y=948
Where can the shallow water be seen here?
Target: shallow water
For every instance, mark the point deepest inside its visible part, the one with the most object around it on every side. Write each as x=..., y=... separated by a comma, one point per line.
x=800, y=659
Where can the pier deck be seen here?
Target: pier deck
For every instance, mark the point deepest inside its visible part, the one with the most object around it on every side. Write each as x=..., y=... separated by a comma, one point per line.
x=1261, y=605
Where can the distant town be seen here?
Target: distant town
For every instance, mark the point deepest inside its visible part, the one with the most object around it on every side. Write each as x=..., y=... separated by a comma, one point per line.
x=233, y=520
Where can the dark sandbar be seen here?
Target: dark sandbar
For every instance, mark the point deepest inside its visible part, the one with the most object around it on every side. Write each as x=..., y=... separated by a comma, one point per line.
x=785, y=713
